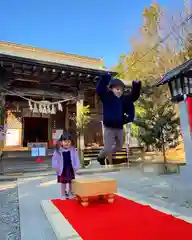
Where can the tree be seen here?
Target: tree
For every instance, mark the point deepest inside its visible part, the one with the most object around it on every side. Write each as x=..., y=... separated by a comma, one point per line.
x=147, y=69
x=188, y=47
x=152, y=52
x=140, y=113
x=188, y=30
x=135, y=65
x=160, y=127
x=81, y=119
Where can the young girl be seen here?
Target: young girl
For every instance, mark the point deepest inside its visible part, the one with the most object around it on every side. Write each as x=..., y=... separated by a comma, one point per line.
x=65, y=161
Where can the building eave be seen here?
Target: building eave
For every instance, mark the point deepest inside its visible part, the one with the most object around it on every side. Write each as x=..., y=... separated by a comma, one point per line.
x=181, y=69
x=23, y=60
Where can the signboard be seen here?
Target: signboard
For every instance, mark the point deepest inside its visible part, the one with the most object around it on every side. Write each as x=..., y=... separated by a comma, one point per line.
x=56, y=134
x=34, y=152
x=37, y=148
x=38, y=151
x=42, y=151
x=54, y=141
x=12, y=137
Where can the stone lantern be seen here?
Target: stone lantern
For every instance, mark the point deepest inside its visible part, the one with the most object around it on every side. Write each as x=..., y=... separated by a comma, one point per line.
x=179, y=81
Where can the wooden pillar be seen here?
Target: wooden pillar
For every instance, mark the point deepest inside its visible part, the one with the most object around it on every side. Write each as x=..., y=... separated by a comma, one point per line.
x=66, y=118
x=80, y=129
x=2, y=102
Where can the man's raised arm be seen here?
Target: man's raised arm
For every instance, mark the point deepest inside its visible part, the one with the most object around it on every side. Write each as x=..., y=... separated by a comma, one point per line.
x=135, y=91
x=102, y=84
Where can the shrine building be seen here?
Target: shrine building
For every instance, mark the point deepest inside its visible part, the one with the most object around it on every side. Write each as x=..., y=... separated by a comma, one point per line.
x=47, y=77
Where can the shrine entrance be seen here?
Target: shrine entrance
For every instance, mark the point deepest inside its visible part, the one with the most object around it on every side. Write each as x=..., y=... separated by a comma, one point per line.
x=35, y=130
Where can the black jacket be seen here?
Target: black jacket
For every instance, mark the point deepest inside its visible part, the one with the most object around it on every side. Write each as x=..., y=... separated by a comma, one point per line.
x=116, y=111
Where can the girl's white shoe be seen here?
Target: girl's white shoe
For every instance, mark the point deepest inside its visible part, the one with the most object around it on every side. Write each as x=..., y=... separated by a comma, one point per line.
x=63, y=198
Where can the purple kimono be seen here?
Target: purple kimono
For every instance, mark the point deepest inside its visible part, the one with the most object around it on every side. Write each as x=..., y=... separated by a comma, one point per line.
x=66, y=161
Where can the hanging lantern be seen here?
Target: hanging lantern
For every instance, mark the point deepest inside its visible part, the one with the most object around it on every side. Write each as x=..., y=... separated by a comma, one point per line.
x=60, y=107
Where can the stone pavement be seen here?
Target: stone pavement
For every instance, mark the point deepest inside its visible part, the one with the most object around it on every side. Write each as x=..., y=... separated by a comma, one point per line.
x=172, y=192
x=33, y=223
x=83, y=171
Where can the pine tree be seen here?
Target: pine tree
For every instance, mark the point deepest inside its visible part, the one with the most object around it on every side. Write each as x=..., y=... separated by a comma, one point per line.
x=160, y=126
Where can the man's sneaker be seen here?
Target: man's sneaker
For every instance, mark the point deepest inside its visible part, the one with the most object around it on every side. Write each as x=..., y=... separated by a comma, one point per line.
x=66, y=194
x=101, y=160
x=110, y=165
x=71, y=196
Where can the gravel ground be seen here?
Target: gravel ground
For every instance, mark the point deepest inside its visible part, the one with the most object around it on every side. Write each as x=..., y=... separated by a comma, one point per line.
x=9, y=211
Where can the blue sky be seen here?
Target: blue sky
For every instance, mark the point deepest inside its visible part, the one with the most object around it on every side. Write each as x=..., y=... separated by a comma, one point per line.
x=100, y=28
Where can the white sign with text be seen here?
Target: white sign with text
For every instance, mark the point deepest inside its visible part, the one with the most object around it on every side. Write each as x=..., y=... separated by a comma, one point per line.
x=12, y=137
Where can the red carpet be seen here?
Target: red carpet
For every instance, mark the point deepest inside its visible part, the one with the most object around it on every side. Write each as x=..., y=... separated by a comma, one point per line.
x=124, y=219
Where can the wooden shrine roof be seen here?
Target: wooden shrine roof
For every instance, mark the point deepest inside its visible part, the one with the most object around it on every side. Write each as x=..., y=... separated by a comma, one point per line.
x=40, y=54
x=38, y=77
x=35, y=72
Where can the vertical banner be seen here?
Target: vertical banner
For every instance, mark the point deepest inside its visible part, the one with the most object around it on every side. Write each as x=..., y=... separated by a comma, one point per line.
x=189, y=106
